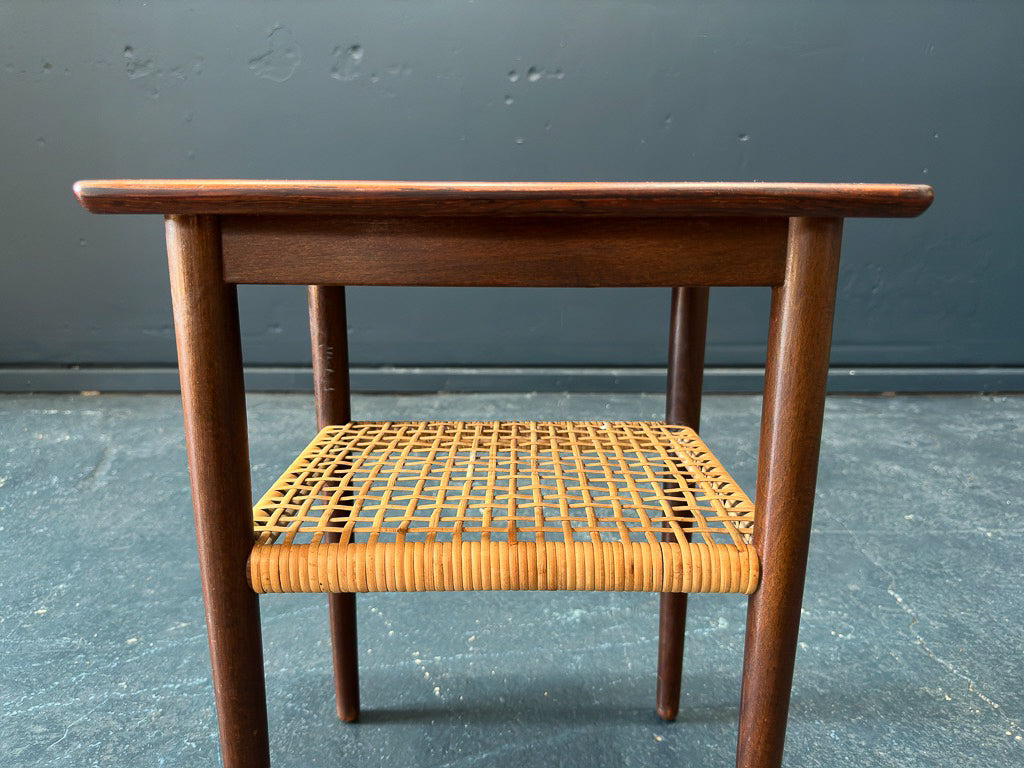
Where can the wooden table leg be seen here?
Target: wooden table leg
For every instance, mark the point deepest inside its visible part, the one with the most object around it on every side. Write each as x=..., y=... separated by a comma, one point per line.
x=794, y=402
x=687, y=338
x=213, y=396
x=329, y=333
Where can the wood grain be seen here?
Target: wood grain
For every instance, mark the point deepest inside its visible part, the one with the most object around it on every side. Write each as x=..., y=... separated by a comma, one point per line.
x=794, y=401
x=503, y=252
x=461, y=198
x=210, y=364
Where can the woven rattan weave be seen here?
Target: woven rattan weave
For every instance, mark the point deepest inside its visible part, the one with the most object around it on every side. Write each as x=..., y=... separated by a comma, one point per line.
x=418, y=506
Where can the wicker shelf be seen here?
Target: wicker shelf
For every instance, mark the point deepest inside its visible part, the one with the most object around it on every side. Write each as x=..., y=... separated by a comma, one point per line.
x=418, y=506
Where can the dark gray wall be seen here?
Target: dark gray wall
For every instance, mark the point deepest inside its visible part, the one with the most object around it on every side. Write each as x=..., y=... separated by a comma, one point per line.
x=910, y=91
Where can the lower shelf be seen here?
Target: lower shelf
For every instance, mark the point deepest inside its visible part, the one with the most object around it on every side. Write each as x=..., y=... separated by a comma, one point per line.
x=431, y=506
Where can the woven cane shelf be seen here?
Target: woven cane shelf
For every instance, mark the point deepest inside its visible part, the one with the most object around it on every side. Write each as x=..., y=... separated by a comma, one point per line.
x=424, y=506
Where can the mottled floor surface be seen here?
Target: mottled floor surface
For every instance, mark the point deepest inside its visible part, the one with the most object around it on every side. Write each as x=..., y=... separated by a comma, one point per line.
x=911, y=648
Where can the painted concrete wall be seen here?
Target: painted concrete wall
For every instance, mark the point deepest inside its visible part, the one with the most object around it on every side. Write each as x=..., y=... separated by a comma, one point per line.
x=911, y=91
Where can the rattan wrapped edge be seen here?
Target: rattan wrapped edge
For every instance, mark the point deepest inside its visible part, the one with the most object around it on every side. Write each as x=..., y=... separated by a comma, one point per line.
x=446, y=566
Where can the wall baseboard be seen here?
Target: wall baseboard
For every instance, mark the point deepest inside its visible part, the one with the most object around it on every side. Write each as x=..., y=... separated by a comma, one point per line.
x=866, y=380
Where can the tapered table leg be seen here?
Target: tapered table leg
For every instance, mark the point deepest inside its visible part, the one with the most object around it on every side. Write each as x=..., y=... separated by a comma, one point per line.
x=329, y=334
x=210, y=364
x=687, y=336
x=794, y=401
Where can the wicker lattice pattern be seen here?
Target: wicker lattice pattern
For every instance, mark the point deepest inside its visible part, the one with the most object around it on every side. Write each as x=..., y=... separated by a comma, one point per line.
x=413, y=506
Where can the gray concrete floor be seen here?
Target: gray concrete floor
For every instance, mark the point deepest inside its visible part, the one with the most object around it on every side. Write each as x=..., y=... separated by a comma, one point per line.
x=910, y=648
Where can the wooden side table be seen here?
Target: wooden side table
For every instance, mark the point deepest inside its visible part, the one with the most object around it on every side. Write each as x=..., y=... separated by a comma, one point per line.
x=416, y=506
